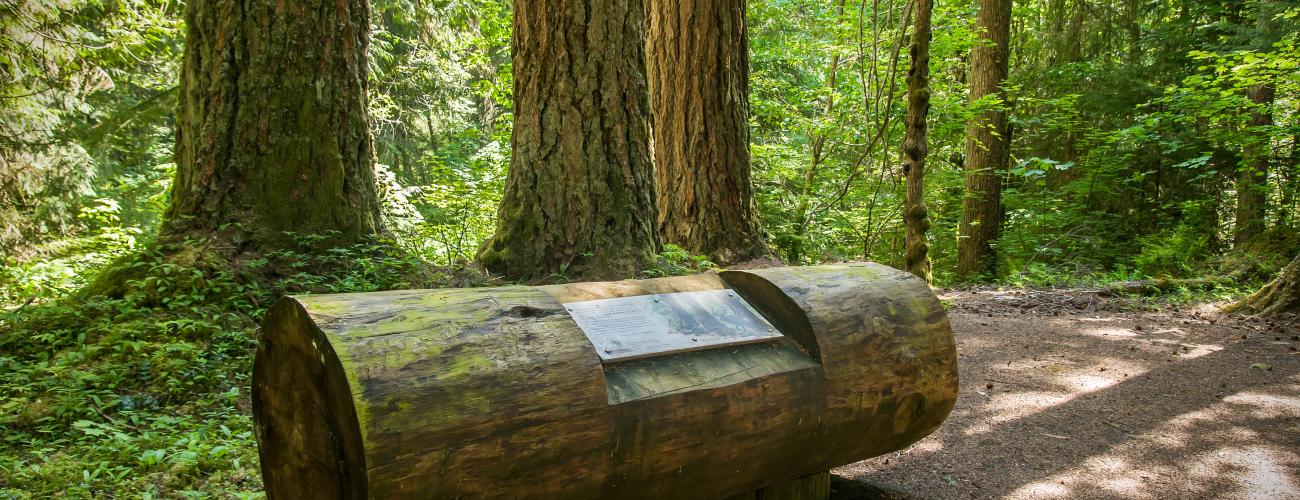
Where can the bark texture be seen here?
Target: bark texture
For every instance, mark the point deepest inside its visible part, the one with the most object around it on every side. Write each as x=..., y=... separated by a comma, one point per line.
x=272, y=133
x=1252, y=175
x=1280, y=296
x=987, y=148
x=916, y=216
x=580, y=196
x=1252, y=178
x=698, y=65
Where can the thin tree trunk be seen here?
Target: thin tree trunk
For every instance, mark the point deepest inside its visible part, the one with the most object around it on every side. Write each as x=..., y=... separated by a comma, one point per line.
x=915, y=215
x=698, y=65
x=580, y=196
x=1290, y=180
x=803, y=216
x=1132, y=15
x=272, y=134
x=987, y=147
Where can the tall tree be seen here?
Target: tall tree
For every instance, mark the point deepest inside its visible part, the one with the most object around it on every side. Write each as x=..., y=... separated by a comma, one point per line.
x=272, y=133
x=916, y=252
x=987, y=144
x=1252, y=176
x=698, y=65
x=580, y=196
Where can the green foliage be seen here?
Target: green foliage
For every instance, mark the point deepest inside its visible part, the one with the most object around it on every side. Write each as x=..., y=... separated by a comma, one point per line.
x=1044, y=275
x=1126, y=151
x=68, y=264
x=1180, y=252
x=148, y=392
x=440, y=115
x=85, y=93
x=1129, y=130
x=1131, y=124
x=677, y=261
x=827, y=118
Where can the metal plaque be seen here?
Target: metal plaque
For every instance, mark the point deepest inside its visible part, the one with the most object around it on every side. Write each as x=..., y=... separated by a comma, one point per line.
x=651, y=325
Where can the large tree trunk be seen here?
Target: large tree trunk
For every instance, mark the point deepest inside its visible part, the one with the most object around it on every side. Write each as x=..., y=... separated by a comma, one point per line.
x=916, y=251
x=272, y=133
x=698, y=65
x=987, y=147
x=1252, y=175
x=580, y=197
x=1282, y=295
x=1252, y=178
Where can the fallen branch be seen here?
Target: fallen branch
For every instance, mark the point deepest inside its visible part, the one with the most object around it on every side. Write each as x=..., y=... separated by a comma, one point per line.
x=1165, y=285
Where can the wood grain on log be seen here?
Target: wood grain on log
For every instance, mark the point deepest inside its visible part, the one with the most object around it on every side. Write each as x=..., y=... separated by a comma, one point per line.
x=496, y=392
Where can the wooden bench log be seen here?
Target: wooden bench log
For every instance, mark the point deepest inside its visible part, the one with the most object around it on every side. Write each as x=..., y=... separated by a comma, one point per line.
x=498, y=393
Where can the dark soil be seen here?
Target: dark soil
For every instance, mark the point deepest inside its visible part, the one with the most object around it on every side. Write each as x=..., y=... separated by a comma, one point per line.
x=1069, y=394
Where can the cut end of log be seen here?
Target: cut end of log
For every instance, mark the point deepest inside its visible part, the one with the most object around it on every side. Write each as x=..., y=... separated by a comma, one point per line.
x=306, y=422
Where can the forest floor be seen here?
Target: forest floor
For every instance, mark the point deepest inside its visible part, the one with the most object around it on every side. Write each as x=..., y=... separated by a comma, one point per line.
x=1065, y=394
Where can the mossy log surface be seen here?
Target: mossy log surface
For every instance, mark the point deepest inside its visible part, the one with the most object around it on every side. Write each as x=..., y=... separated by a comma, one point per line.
x=496, y=392
x=1278, y=297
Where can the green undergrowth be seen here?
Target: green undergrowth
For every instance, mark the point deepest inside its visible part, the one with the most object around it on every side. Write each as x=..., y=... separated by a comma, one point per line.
x=1230, y=276
x=130, y=397
x=146, y=393
x=677, y=261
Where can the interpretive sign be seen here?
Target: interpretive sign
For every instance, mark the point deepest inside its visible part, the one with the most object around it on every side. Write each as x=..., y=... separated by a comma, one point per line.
x=651, y=325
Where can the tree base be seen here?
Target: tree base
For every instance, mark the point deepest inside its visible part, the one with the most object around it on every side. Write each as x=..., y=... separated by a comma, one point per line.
x=1280, y=296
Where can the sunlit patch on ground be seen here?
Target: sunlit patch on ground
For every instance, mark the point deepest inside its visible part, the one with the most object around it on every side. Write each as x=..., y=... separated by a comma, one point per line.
x=1113, y=333
x=1010, y=406
x=1147, y=405
x=1015, y=395
x=1213, y=465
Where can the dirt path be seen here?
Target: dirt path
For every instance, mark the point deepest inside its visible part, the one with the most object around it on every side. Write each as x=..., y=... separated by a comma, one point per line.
x=1069, y=396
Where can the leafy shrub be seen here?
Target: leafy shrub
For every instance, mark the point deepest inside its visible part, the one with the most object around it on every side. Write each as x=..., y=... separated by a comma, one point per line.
x=1180, y=252
x=60, y=266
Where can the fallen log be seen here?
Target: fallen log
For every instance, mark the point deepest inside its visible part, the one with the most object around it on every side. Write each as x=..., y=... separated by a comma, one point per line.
x=503, y=393
x=1159, y=286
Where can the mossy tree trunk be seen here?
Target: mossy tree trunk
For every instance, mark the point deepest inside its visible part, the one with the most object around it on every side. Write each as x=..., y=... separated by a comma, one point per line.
x=1282, y=295
x=272, y=133
x=698, y=65
x=915, y=214
x=987, y=144
x=580, y=196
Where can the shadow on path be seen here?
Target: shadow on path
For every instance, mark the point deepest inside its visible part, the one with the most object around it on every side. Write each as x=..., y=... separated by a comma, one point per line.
x=1086, y=407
